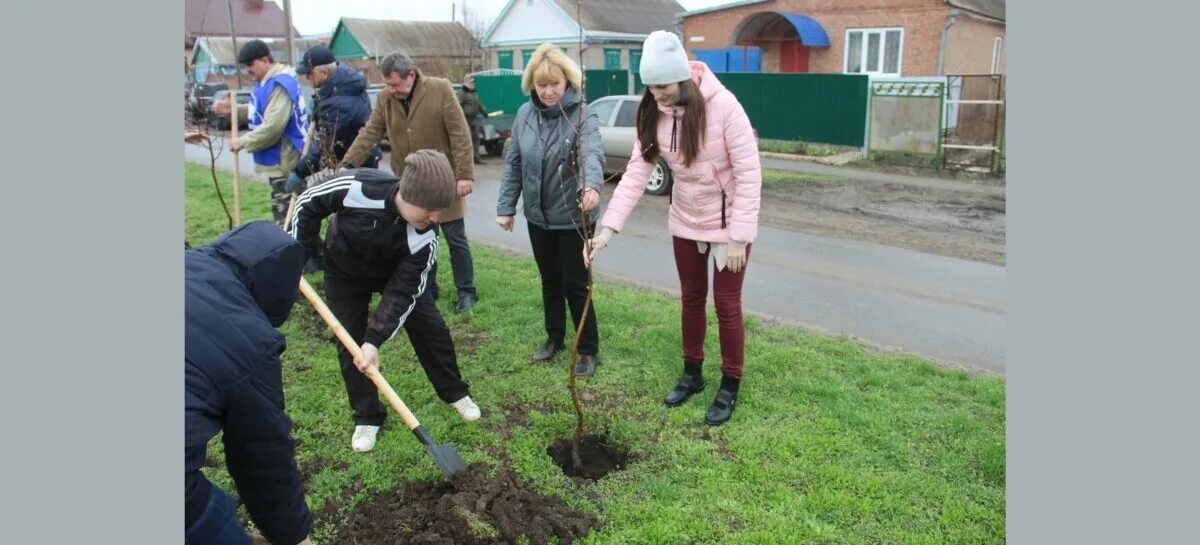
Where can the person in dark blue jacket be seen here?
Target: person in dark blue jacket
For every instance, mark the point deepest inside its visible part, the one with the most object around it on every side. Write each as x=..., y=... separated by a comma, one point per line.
x=342, y=107
x=237, y=291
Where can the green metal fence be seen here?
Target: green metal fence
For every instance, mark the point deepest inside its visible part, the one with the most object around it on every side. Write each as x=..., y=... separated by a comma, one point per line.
x=826, y=108
x=602, y=83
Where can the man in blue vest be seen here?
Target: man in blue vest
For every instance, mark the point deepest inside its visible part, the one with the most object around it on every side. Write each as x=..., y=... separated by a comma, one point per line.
x=278, y=120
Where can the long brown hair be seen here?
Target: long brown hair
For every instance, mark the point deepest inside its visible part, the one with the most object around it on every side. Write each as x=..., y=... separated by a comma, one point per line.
x=693, y=122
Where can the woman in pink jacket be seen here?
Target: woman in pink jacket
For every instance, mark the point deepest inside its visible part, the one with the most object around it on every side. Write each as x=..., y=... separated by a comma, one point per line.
x=699, y=127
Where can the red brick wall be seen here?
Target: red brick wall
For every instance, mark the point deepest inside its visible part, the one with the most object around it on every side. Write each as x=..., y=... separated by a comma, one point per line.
x=922, y=21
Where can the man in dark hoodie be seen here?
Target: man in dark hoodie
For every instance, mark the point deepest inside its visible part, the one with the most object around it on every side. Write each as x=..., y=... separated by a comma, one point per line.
x=385, y=241
x=342, y=108
x=236, y=292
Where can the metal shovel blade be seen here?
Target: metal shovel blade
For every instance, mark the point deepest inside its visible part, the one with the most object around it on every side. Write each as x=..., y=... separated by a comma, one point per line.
x=447, y=459
x=444, y=456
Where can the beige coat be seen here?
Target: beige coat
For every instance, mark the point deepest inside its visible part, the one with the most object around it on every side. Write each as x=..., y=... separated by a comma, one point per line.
x=434, y=121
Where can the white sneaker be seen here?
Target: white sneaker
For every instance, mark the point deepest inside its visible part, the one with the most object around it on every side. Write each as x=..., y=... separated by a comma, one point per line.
x=467, y=408
x=364, y=438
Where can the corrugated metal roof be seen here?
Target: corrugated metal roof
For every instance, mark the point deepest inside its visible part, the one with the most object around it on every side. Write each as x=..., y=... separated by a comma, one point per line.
x=250, y=18
x=627, y=16
x=416, y=38
x=990, y=8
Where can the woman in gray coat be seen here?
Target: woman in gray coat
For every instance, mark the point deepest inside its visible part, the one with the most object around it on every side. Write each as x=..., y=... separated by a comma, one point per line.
x=541, y=165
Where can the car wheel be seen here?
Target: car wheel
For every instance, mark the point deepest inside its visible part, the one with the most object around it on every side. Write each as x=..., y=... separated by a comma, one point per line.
x=660, y=179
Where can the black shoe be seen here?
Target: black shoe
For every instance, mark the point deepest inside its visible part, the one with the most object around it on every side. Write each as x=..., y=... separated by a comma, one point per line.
x=687, y=385
x=723, y=405
x=478, y=161
x=586, y=366
x=546, y=352
x=465, y=303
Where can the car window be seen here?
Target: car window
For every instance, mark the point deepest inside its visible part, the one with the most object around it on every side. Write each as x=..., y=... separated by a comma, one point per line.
x=627, y=115
x=603, y=110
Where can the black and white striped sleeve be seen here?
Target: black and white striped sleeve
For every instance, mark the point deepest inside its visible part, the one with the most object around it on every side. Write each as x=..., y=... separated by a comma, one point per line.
x=410, y=279
x=316, y=204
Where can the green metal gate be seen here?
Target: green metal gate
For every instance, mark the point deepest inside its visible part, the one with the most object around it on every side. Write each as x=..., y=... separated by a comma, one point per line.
x=602, y=83
x=500, y=90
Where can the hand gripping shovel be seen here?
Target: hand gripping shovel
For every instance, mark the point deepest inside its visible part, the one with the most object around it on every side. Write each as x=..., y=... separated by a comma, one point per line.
x=444, y=456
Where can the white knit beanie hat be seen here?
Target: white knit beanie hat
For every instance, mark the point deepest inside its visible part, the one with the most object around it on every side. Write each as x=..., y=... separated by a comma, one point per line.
x=663, y=59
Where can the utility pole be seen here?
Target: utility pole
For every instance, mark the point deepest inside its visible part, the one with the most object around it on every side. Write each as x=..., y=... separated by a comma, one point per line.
x=233, y=36
x=287, y=31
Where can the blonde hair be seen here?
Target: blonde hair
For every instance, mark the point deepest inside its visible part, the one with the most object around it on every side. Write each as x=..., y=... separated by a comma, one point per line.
x=550, y=63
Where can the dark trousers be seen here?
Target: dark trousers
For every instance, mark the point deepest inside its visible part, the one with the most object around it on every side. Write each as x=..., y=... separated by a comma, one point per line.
x=559, y=257
x=349, y=299
x=218, y=525
x=460, y=258
x=474, y=127
x=727, y=297
x=279, y=199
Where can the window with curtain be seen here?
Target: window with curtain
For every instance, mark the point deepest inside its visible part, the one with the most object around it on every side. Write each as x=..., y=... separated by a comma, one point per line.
x=874, y=51
x=612, y=59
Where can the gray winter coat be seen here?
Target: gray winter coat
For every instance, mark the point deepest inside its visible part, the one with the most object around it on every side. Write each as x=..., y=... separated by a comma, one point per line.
x=538, y=164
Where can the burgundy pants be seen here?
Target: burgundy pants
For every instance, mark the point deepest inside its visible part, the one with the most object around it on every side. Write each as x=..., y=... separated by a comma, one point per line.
x=727, y=297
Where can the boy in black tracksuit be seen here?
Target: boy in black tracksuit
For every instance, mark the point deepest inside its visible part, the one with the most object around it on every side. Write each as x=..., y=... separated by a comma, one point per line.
x=383, y=240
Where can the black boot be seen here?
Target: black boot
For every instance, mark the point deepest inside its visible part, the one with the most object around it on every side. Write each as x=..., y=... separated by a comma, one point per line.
x=726, y=400
x=690, y=383
x=586, y=366
x=546, y=352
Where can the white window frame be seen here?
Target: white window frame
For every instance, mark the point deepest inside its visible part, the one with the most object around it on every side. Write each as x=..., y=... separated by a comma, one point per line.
x=997, y=49
x=882, y=32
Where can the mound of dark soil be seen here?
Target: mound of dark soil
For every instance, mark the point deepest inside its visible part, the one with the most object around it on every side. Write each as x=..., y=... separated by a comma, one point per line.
x=471, y=509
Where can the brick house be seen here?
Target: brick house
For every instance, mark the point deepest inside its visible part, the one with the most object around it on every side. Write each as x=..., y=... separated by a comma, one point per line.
x=877, y=37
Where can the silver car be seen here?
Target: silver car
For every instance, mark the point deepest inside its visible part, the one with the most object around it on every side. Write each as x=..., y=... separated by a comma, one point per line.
x=618, y=130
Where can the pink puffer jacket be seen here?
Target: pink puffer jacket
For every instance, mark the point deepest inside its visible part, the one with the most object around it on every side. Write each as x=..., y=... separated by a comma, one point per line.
x=727, y=162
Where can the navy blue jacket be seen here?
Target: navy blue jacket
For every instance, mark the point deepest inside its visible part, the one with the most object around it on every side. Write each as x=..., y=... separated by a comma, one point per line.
x=237, y=291
x=342, y=109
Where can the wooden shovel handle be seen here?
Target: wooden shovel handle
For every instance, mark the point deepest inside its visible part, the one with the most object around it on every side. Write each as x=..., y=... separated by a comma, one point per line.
x=348, y=342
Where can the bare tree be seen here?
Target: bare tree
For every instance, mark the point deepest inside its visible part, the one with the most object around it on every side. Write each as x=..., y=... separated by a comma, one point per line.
x=195, y=131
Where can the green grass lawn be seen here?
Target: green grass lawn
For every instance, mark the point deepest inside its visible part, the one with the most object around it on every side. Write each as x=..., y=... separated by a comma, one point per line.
x=783, y=180
x=830, y=443
x=797, y=147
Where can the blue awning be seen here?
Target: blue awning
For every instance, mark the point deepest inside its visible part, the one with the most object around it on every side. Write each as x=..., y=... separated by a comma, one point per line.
x=772, y=26
x=812, y=34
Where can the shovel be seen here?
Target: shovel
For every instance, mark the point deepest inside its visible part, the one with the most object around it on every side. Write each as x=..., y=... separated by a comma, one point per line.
x=444, y=456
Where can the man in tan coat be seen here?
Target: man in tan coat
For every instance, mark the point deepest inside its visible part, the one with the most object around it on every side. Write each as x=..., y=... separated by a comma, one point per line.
x=422, y=112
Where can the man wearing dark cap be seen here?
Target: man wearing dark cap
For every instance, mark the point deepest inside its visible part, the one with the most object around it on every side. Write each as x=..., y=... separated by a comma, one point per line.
x=383, y=241
x=278, y=120
x=342, y=108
